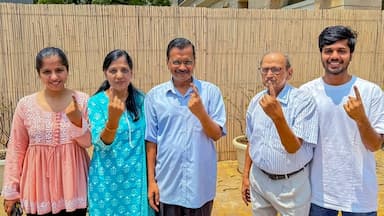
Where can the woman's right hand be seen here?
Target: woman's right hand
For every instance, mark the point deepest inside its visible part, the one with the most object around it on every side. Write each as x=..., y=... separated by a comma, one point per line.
x=115, y=110
x=8, y=205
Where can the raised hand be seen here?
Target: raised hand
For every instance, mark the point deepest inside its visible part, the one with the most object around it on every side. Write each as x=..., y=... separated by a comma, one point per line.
x=269, y=103
x=73, y=112
x=195, y=104
x=115, y=110
x=354, y=106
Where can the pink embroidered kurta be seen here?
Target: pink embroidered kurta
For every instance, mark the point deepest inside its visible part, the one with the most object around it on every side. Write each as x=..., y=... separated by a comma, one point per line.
x=47, y=163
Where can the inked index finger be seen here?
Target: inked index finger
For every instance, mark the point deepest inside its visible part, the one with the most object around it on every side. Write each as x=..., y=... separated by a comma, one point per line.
x=194, y=89
x=75, y=101
x=271, y=90
x=112, y=93
x=357, y=93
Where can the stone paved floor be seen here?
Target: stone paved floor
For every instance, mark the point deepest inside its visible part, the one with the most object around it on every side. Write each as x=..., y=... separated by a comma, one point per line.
x=228, y=200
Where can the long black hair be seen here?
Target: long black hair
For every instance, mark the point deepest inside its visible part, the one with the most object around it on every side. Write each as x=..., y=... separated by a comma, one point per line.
x=133, y=93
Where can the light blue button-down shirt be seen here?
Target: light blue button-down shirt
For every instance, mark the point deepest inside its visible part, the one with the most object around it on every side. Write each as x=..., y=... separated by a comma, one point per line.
x=266, y=150
x=186, y=157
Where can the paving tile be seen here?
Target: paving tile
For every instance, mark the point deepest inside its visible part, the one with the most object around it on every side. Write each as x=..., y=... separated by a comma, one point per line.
x=228, y=200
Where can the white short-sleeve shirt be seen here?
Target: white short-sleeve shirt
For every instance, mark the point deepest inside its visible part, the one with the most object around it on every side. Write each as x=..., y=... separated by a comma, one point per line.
x=343, y=172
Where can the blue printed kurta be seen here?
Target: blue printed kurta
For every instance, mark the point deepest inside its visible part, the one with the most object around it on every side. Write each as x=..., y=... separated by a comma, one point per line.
x=117, y=175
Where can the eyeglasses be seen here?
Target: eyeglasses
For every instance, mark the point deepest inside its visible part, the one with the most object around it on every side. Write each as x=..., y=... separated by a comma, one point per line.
x=179, y=63
x=274, y=70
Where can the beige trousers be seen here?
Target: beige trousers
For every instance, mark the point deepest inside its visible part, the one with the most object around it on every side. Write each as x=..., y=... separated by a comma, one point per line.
x=289, y=197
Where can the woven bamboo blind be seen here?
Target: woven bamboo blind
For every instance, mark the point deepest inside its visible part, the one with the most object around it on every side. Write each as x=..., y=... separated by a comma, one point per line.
x=229, y=44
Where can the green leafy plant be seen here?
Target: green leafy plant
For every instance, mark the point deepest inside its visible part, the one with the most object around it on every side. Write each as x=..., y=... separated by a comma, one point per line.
x=107, y=2
x=55, y=1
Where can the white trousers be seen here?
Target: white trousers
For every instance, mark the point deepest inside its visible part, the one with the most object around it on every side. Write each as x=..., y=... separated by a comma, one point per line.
x=290, y=196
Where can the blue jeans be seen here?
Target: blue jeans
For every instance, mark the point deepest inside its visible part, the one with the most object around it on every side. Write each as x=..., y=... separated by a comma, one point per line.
x=320, y=211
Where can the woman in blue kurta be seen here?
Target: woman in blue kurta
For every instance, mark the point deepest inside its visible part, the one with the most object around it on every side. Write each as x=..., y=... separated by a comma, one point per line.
x=117, y=175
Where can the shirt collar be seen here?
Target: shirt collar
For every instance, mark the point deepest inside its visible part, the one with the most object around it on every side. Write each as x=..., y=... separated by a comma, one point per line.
x=282, y=97
x=171, y=88
x=284, y=93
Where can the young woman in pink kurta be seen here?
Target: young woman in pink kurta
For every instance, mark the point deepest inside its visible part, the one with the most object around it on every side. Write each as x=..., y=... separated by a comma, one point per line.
x=46, y=165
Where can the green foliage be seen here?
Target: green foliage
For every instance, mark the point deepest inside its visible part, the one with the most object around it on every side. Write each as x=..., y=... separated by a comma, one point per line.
x=102, y=2
x=160, y=2
x=55, y=1
x=107, y=2
x=124, y=2
x=134, y=2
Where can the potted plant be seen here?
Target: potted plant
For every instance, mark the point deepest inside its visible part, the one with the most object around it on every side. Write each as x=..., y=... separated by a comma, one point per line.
x=240, y=142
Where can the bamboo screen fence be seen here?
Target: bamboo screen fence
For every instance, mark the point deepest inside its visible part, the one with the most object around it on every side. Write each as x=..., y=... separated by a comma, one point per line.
x=229, y=44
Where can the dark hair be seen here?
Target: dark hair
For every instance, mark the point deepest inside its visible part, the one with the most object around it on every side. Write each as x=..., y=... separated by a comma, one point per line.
x=47, y=52
x=180, y=43
x=332, y=34
x=133, y=93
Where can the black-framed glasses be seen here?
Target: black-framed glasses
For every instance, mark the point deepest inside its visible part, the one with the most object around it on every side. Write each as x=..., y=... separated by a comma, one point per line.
x=179, y=63
x=274, y=70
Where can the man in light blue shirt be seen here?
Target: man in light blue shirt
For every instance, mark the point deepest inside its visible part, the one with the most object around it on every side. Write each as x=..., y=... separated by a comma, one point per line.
x=282, y=128
x=184, y=117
